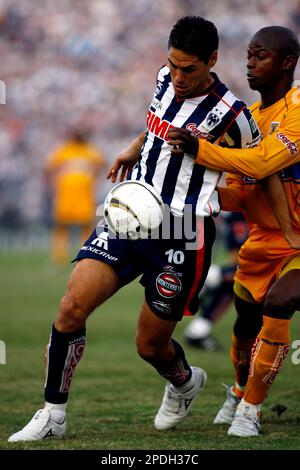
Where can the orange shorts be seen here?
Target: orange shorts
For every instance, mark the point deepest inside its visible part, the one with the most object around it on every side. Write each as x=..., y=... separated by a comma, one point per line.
x=262, y=260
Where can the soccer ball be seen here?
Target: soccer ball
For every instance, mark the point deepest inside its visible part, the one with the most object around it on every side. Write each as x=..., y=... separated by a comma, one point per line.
x=133, y=209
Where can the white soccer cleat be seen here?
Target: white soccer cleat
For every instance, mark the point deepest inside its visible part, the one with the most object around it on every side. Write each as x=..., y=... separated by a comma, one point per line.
x=40, y=427
x=246, y=422
x=176, y=406
x=226, y=413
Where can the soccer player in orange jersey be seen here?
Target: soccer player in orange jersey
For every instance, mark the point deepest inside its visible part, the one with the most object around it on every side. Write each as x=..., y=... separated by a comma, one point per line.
x=267, y=281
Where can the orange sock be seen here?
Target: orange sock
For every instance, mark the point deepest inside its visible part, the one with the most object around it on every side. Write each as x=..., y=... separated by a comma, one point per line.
x=241, y=355
x=270, y=348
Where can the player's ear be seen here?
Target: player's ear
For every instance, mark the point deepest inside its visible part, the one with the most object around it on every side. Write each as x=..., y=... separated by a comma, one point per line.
x=213, y=59
x=289, y=62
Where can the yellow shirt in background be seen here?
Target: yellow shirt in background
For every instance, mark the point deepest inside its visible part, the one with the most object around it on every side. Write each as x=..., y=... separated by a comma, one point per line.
x=73, y=170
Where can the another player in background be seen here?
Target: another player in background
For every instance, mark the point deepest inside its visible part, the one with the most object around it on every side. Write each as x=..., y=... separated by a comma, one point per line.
x=267, y=282
x=72, y=171
x=187, y=94
x=217, y=294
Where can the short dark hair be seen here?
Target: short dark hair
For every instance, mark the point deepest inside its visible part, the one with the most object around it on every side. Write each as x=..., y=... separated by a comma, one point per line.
x=195, y=35
x=281, y=39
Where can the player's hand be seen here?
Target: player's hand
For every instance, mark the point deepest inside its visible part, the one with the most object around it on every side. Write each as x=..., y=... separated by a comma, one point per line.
x=123, y=163
x=126, y=159
x=181, y=140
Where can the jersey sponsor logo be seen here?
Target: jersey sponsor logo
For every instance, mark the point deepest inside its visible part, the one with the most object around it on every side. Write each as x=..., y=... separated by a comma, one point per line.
x=168, y=285
x=290, y=145
x=156, y=104
x=192, y=127
x=158, y=126
x=99, y=252
x=162, y=306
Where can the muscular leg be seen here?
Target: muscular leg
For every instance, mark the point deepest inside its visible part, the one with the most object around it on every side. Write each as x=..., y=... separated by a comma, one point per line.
x=269, y=350
x=245, y=330
x=155, y=345
x=246, y=327
x=272, y=343
x=283, y=299
x=91, y=283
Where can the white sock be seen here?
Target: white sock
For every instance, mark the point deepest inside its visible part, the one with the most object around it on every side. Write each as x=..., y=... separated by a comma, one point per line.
x=258, y=406
x=57, y=411
x=239, y=387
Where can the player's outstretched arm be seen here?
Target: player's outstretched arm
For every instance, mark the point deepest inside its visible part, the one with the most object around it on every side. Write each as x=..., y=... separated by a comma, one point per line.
x=126, y=159
x=275, y=193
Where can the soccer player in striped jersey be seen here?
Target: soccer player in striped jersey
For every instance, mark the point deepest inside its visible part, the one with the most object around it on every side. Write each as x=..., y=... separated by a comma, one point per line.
x=267, y=280
x=187, y=94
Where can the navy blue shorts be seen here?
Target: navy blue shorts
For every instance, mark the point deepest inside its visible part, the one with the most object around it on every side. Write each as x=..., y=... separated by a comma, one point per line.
x=236, y=230
x=172, y=272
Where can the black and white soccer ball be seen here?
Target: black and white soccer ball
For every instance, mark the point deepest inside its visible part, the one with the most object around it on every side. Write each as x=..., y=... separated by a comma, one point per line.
x=133, y=209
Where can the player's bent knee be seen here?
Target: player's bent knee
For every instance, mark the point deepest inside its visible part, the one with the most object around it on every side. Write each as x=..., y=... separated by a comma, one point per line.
x=279, y=305
x=247, y=325
x=148, y=352
x=72, y=313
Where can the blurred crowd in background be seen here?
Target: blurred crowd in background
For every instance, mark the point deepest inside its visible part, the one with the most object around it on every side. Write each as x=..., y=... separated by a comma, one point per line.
x=93, y=63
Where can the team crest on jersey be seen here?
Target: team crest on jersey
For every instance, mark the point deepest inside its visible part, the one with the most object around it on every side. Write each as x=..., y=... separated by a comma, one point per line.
x=212, y=119
x=158, y=87
x=168, y=285
x=273, y=127
x=192, y=127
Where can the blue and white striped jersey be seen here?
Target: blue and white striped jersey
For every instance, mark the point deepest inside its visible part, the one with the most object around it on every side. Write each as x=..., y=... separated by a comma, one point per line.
x=217, y=116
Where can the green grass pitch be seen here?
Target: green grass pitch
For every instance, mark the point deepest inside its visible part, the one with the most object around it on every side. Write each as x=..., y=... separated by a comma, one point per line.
x=115, y=395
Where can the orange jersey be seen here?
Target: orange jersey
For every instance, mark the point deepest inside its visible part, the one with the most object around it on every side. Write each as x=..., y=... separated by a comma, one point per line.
x=73, y=169
x=266, y=251
x=279, y=151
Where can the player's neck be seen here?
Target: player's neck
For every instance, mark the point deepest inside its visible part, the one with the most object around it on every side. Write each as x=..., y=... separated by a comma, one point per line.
x=271, y=95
